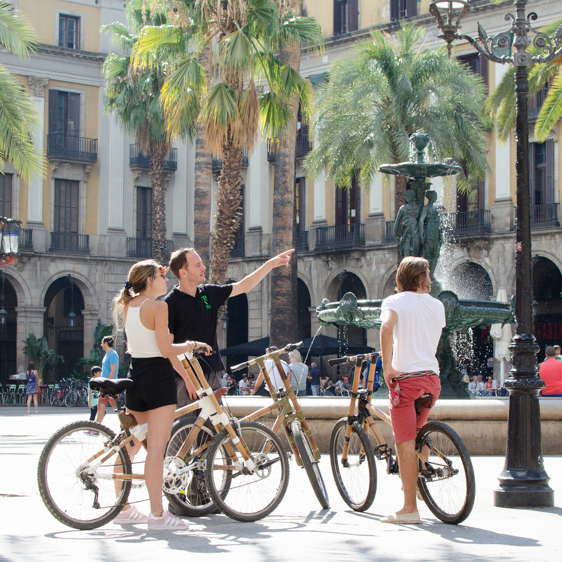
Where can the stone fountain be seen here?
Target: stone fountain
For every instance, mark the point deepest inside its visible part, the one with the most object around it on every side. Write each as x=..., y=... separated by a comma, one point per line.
x=418, y=233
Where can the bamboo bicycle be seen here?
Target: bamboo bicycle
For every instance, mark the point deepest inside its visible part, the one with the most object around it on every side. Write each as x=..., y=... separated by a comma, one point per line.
x=290, y=416
x=446, y=476
x=85, y=473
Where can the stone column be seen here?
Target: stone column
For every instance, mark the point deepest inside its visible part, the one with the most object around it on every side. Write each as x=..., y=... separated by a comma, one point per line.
x=37, y=87
x=375, y=225
x=30, y=321
x=90, y=321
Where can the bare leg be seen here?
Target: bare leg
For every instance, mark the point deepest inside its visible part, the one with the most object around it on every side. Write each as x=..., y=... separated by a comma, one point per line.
x=101, y=412
x=35, y=402
x=29, y=403
x=160, y=423
x=408, y=462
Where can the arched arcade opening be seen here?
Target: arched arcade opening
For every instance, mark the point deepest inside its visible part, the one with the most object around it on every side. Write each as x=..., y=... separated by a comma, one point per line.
x=8, y=329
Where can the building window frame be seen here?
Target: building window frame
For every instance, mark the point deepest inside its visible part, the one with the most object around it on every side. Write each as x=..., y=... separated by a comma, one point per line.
x=79, y=18
x=402, y=9
x=346, y=16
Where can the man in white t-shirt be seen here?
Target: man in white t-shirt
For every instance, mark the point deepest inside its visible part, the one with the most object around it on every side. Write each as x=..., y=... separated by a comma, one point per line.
x=273, y=373
x=411, y=325
x=245, y=386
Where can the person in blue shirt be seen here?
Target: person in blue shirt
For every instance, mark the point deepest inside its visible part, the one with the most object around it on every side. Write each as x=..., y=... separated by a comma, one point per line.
x=109, y=369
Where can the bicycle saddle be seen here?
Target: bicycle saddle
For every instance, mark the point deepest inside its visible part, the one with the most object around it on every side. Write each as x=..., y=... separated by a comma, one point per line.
x=111, y=386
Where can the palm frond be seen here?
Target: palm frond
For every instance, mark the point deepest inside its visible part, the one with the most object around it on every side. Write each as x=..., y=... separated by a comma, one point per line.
x=551, y=111
x=16, y=33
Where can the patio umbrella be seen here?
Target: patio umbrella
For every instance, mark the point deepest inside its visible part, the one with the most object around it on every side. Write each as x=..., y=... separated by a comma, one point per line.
x=251, y=348
x=325, y=345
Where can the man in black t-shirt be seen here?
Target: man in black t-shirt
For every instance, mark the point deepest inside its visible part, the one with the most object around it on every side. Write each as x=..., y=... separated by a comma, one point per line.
x=193, y=308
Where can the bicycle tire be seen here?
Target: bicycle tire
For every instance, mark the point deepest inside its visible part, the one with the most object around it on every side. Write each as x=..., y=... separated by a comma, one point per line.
x=449, y=496
x=356, y=482
x=66, y=487
x=310, y=464
x=194, y=501
x=252, y=494
x=71, y=399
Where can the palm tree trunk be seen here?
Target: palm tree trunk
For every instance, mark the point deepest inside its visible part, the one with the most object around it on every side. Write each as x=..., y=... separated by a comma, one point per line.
x=284, y=314
x=203, y=179
x=158, y=177
x=227, y=214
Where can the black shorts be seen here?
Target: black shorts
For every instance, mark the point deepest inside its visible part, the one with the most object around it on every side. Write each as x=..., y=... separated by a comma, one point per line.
x=155, y=384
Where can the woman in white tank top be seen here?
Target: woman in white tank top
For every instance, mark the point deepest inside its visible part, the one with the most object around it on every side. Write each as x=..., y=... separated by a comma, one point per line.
x=152, y=400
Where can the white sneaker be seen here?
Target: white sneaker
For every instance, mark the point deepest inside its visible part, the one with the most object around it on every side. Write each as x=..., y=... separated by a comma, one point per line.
x=130, y=517
x=167, y=521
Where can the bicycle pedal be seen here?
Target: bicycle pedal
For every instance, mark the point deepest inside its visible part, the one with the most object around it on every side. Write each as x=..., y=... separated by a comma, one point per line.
x=382, y=452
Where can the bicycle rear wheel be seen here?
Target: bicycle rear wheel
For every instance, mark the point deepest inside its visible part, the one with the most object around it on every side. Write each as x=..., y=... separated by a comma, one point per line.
x=356, y=477
x=446, y=482
x=193, y=499
x=78, y=495
x=253, y=492
x=310, y=464
x=71, y=399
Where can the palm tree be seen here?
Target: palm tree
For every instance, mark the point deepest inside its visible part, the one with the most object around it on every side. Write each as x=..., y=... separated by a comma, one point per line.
x=18, y=117
x=133, y=93
x=502, y=101
x=247, y=36
x=382, y=94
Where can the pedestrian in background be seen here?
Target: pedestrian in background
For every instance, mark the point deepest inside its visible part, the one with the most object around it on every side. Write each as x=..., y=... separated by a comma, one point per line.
x=299, y=371
x=93, y=396
x=109, y=369
x=32, y=388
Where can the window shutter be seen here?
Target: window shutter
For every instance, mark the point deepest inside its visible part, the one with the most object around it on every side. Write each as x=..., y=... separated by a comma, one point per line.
x=53, y=107
x=337, y=17
x=73, y=124
x=549, y=195
x=394, y=10
x=484, y=68
x=411, y=8
x=352, y=15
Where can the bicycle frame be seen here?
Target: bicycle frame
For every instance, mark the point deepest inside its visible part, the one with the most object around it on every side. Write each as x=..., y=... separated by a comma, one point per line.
x=284, y=402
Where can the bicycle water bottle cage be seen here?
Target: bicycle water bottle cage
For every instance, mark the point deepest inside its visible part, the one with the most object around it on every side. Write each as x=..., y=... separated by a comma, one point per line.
x=111, y=387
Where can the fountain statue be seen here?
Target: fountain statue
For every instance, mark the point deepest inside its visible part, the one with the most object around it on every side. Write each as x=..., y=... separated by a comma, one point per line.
x=418, y=233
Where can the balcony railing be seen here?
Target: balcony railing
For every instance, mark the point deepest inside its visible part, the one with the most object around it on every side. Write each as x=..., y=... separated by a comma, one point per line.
x=142, y=247
x=71, y=148
x=70, y=242
x=303, y=145
x=341, y=236
x=26, y=239
x=389, y=232
x=238, y=248
x=544, y=216
x=467, y=223
x=302, y=240
x=216, y=164
x=141, y=160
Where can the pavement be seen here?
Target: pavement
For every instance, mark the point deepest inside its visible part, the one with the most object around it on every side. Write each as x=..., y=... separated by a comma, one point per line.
x=297, y=530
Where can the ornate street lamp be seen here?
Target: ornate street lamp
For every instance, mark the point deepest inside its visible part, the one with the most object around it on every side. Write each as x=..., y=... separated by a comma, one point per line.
x=71, y=314
x=9, y=240
x=523, y=482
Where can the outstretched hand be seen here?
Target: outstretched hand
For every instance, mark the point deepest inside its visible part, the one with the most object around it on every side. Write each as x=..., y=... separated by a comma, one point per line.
x=282, y=259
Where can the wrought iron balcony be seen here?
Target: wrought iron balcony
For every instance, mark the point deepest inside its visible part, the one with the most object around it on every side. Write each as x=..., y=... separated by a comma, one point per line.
x=26, y=240
x=302, y=240
x=389, y=232
x=544, y=216
x=141, y=160
x=70, y=242
x=468, y=223
x=142, y=247
x=303, y=145
x=216, y=164
x=341, y=236
x=72, y=149
x=238, y=250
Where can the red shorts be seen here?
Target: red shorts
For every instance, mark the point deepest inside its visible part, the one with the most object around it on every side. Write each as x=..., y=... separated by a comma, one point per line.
x=405, y=421
x=105, y=399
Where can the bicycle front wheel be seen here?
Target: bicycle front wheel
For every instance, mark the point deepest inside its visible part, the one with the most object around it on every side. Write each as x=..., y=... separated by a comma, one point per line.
x=71, y=399
x=76, y=492
x=356, y=475
x=446, y=482
x=254, y=489
x=310, y=464
x=192, y=499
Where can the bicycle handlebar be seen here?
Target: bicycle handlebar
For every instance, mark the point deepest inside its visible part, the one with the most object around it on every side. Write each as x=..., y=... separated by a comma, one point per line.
x=352, y=359
x=289, y=347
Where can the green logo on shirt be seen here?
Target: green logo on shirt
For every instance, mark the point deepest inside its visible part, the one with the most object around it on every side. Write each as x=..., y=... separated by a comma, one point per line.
x=207, y=305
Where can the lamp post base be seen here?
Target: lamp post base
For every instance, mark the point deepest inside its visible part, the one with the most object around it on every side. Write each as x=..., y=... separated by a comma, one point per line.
x=523, y=496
